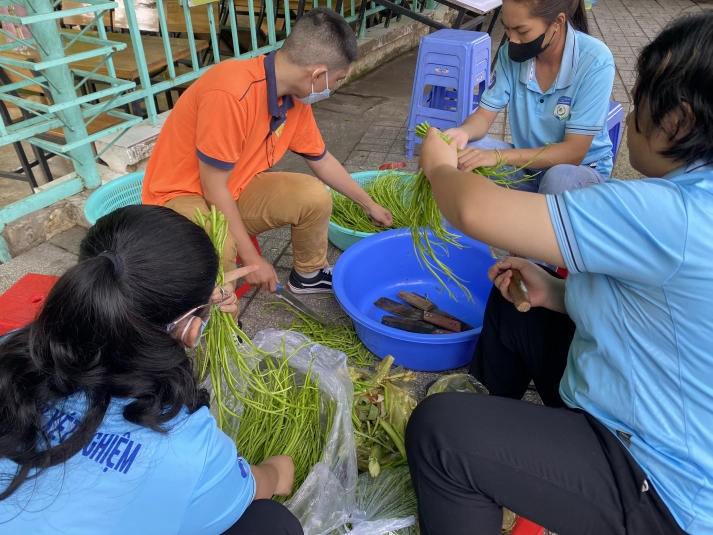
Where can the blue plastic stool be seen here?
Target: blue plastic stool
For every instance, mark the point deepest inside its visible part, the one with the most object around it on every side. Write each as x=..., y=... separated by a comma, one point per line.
x=615, y=120
x=450, y=63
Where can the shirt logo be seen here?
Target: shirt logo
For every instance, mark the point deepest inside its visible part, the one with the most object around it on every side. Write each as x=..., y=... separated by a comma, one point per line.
x=562, y=108
x=244, y=467
x=117, y=452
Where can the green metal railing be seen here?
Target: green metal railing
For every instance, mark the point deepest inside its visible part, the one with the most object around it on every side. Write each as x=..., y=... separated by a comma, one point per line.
x=43, y=58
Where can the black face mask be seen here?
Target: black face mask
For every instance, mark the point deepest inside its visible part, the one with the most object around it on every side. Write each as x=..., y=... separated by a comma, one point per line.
x=519, y=52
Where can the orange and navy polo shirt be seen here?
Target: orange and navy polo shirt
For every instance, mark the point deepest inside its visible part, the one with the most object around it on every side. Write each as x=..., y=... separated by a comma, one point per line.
x=230, y=118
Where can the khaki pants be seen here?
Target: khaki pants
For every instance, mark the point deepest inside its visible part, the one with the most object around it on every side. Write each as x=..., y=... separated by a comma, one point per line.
x=273, y=200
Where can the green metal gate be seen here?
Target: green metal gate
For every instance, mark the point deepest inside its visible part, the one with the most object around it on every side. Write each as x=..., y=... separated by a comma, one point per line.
x=67, y=53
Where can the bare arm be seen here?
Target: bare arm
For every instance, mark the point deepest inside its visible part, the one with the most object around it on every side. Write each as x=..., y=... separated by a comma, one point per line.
x=513, y=220
x=331, y=172
x=214, y=182
x=274, y=476
x=572, y=151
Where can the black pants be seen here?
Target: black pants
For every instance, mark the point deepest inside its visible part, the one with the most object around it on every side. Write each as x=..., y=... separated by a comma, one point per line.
x=515, y=347
x=471, y=454
x=265, y=517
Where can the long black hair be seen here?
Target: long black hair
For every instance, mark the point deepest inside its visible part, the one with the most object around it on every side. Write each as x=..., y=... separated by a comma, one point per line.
x=675, y=75
x=102, y=334
x=548, y=10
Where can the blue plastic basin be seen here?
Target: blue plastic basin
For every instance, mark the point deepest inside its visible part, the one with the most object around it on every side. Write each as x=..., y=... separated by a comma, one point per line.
x=382, y=264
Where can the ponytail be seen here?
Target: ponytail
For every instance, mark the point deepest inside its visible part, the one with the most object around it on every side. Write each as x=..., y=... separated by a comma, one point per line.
x=578, y=18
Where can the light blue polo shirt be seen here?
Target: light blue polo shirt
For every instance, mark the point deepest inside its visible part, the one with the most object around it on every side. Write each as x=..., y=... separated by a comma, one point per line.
x=130, y=479
x=640, y=290
x=577, y=102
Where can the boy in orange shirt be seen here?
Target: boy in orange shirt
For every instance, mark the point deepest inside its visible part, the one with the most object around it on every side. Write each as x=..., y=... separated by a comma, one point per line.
x=234, y=123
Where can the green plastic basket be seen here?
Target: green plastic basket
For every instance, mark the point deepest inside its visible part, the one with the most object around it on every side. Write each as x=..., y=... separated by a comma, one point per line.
x=121, y=191
x=342, y=237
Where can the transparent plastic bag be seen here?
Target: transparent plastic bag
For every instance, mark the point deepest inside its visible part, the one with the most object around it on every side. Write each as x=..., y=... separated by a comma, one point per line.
x=385, y=504
x=326, y=499
x=457, y=382
x=326, y=503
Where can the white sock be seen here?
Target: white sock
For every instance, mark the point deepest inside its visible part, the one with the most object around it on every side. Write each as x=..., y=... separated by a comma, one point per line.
x=309, y=275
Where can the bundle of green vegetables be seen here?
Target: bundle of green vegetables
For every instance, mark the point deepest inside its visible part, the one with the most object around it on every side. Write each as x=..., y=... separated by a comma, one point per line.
x=219, y=356
x=382, y=406
x=283, y=413
x=426, y=223
x=386, y=188
x=258, y=398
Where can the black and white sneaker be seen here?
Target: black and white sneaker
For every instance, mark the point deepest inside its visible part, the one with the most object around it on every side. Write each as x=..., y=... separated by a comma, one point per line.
x=320, y=283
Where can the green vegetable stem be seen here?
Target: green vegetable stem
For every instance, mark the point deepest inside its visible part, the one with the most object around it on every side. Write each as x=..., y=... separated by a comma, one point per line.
x=426, y=220
x=386, y=188
x=259, y=399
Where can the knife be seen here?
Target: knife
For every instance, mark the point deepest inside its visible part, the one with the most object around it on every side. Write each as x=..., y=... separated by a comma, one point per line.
x=298, y=305
x=517, y=289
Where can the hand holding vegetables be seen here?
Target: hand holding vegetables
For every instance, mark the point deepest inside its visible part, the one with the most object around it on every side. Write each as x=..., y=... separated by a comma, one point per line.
x=274, y=477
x=379, y=215
x=471, y=158
x=459, y=136
x=435, y=152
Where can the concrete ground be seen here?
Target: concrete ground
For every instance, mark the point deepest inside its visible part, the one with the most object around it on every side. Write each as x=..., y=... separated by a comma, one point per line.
x=364, y=125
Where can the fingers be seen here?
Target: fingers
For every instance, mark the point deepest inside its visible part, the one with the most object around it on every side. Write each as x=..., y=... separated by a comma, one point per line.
x=235, y=274
x=468, y=159
x=494, y=271
x=382, y=218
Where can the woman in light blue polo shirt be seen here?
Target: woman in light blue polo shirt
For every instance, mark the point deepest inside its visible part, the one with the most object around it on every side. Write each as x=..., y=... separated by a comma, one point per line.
x=103, y=427
x=555, y=81
x=632, y=451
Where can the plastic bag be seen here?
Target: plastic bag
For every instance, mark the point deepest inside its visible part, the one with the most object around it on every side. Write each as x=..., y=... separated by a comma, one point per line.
x=385, y=504
x=457, y=382
x=326, y=499
x=325, y=503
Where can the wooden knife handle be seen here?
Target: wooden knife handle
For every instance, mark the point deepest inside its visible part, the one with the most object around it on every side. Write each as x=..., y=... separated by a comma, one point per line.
x=416, y=300
x=518, y=292
x=442, y=321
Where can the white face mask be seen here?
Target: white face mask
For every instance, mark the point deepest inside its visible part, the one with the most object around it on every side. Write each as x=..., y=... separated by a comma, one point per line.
x=314, y=96
x=200, y=334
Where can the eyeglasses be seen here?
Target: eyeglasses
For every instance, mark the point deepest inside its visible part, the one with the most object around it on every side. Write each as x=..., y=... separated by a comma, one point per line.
x=192, y=312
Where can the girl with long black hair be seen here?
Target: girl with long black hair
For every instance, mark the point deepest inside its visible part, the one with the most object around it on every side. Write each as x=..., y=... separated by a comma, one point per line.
x=103, y=427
